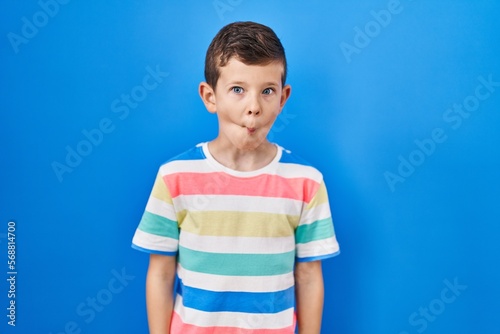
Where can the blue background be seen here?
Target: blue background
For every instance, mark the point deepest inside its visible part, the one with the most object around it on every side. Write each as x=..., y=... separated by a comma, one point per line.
x=354, y=116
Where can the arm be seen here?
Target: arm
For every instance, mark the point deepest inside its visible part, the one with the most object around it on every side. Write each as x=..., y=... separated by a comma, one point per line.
x=309, y=292
x=159, y=292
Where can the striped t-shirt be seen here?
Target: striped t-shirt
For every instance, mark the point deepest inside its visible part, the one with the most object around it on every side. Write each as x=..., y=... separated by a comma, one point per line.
x=237, y=236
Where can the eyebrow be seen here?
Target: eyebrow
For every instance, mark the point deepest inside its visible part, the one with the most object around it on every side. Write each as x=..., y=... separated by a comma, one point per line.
x=270, y=83
x=235, y=83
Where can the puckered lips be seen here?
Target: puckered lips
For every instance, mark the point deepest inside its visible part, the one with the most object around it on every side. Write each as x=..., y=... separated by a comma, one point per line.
x=250, y=128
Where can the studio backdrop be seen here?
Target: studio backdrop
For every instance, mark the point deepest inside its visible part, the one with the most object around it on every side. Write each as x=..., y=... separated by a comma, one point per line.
x=397, y=102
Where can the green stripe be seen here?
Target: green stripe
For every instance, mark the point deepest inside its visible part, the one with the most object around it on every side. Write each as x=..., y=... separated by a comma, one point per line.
x=320, y=229
x=159, y=225
x=236, y=264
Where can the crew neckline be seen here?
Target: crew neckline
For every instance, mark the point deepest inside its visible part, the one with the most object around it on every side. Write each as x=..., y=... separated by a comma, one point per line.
x=220, y=167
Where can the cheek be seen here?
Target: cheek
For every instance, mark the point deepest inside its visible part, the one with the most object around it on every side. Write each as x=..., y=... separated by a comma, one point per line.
x=274, y=109
x=275, y=105
x=270, y=120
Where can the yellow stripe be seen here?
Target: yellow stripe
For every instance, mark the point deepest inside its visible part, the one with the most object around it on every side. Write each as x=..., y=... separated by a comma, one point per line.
x=160, y=190
x=233, y=223
x=320, y=197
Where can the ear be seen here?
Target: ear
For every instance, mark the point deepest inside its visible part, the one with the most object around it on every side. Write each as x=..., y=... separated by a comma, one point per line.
x=285, y=94
x=207, y=95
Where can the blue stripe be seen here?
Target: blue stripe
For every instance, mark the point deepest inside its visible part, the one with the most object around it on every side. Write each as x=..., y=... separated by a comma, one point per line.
x=317, y=258
x=152, y=251
x=293, y=158
x=195, y=153
x=230, y=301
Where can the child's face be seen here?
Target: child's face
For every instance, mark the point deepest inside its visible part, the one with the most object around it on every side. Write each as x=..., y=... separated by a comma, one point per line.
x=247, y=100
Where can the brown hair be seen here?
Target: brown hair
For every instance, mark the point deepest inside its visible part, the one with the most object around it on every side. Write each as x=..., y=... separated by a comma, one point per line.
x=249, y=42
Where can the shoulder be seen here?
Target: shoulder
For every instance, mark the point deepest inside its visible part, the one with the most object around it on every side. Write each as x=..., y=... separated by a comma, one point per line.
x=182, y=161
x=287, y=156
x=298, y=166
x=194, y=153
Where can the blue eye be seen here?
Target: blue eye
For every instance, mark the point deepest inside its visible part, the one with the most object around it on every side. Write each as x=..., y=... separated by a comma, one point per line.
x=267, y=91
x=237, y=90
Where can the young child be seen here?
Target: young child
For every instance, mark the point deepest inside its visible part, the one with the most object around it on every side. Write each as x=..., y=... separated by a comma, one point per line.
x=242, y=223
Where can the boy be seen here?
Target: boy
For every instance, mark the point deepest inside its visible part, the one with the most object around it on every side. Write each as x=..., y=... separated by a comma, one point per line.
x=242, y=223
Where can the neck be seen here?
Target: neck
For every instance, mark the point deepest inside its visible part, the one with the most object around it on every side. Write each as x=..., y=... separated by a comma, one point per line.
x=243, y=160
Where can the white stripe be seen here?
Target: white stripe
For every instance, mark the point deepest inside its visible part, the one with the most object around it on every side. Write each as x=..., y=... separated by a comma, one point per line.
x=318, y=247
x=318, y=212
x=234, y=319
x=237, y=245
x=291, y=170
x=154, y=242
x=286, y=170
x=238, y=203
x=186, y=166
x=235, y=283
x=160, y=208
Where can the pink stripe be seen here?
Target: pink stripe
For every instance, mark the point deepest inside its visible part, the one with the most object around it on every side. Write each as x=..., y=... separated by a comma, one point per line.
x=179, y=327
x=218, y=183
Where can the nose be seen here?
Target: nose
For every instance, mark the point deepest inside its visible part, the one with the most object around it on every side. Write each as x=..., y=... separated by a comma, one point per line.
x=254, y=107
x=253, y=112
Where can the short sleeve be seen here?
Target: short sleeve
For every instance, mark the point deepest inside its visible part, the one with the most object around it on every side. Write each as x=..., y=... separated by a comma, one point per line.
x=315, y=236
x=158, y=230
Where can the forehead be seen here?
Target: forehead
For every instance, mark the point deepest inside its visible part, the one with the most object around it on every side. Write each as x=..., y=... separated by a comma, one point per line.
x=236, y=70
